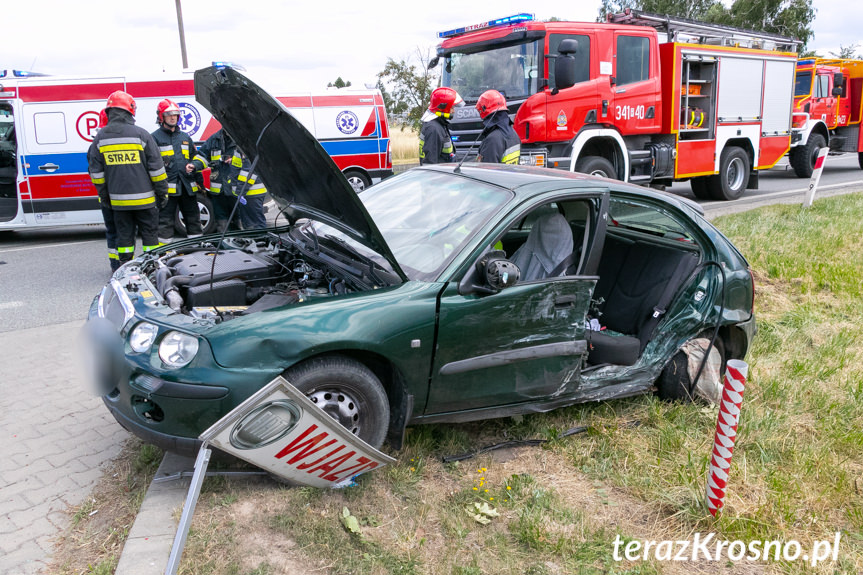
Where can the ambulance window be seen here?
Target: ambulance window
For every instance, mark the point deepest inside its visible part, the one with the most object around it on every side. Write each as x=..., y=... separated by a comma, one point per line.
x=633, y=59
x=50, y=128
x=582, y=56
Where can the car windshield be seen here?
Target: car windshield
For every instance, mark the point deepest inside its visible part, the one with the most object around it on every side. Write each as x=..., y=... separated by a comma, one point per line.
x=512, y=70
x=803, y=84
x=426, y=218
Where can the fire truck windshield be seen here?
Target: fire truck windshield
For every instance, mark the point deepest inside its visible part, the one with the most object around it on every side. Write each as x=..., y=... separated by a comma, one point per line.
x=803, y=84
x=512, y=70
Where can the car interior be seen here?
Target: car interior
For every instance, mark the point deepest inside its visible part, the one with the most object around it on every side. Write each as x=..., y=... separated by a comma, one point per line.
x=646, y=259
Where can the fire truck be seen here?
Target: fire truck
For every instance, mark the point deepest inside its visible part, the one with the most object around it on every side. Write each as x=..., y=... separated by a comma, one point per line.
x=828, y=95
x=47, y=124
x=710, y=104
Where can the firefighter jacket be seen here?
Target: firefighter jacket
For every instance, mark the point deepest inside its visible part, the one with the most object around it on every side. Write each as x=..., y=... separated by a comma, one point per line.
x=501, y=144
x=125, y=165
x=221, y=154
x=177, y=150
x=435, y=142
x=241, y=178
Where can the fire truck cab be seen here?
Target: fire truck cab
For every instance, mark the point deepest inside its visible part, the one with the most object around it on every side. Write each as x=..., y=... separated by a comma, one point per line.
x=711, y=105
x=828, y=95
x=47, y=124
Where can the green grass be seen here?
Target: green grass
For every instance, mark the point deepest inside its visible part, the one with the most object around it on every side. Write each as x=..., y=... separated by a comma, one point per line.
x=797, y=470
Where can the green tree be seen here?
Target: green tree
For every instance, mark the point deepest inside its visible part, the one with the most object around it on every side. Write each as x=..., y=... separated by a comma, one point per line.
x=339, y=83
x=407, y=85
x=847, y=52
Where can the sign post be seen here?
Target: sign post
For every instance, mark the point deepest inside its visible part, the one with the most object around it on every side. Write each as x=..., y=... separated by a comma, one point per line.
x=816, y=175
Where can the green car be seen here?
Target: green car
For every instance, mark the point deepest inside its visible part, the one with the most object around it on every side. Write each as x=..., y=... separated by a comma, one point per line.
x=447, y=293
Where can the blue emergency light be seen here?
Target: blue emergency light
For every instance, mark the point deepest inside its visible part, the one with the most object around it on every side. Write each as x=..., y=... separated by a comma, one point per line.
x=222, y=64
x=20, y=73
x=523, y=17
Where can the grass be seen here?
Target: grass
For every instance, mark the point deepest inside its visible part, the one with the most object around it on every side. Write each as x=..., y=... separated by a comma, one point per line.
x=797, y=470
x=405, y=145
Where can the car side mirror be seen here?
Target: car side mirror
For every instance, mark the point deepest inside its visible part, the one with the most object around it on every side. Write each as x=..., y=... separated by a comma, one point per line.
x=433, y=62
x=496, y=272
x=837, y=91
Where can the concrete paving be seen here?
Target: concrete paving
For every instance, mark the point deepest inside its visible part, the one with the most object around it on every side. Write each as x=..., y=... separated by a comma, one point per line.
x=55, y=438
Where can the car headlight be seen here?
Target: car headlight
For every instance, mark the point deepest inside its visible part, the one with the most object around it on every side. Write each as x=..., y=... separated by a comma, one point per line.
x=178, y=349
x=142, y=337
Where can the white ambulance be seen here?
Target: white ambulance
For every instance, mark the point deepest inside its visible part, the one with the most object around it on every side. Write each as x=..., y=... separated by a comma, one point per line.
x=47, y=124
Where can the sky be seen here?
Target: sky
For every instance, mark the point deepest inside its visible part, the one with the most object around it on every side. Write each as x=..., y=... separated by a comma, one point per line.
x=282, y=44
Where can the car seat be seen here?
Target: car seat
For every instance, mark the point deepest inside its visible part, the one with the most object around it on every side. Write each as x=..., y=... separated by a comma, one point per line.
x=547, y=246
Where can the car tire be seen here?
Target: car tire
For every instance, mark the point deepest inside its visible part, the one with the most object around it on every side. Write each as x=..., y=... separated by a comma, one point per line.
x=347, y=391
x=733, y=176
x=674, y=382
x=358, y=180
x=802, y=158
x=700, y=187
x=205, y=208
x=596, y=166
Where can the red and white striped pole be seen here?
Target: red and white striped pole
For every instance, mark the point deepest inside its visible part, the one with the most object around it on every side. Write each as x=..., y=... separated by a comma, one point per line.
x=726, y=433
x=816, y=177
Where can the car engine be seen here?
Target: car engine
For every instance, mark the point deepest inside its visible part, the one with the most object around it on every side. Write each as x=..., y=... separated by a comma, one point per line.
x=244, y=276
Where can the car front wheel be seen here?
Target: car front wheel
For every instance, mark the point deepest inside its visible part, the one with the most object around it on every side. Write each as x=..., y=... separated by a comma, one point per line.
x=347, y=391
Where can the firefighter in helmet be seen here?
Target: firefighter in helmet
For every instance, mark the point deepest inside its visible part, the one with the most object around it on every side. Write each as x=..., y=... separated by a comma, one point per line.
x=177, y=151
x=129, y=175
x=501, y=144
x=435, y=142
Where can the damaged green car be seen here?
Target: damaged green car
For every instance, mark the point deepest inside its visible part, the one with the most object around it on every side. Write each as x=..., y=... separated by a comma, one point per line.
x=444, y=294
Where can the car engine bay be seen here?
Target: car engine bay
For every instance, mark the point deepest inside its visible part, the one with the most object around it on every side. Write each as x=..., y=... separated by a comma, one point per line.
x=250, y=274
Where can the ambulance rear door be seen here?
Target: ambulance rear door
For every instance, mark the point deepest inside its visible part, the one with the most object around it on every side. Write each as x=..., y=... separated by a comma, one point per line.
x=60, y=118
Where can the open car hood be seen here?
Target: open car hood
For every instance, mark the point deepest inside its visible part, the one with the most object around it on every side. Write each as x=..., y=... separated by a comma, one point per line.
x=297, y=171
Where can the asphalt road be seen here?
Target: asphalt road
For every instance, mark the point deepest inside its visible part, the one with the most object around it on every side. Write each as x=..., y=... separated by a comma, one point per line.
x=51, y=276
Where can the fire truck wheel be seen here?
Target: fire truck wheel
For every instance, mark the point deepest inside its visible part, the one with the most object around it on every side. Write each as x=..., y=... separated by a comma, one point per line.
x=596, y=166
x=700, y=187
x=802, y=158
x=358, y=180
x=208, y=222
x=347, y=391
x=860, y=159
x=733, y=176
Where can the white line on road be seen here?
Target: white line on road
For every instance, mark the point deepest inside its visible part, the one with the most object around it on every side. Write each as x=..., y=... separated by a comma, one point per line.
x=65, y=244
x=785, y=193
x=11, y=304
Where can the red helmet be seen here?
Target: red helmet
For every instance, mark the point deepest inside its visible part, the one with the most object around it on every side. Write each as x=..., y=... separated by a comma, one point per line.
x=122, y=100
x=443, y=100
x=490, y=102
x=166, y=106
x=103, y=118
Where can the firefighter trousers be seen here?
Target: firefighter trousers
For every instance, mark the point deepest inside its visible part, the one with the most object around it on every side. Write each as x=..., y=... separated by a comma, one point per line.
x=127, y=222
x=188, y=206
x=111, y=237
x=252, y=213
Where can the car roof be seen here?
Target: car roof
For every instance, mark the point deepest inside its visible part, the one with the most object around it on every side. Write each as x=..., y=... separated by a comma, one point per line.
x=528, y=180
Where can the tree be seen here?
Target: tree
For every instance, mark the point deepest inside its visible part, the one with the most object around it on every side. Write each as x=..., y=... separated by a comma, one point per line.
x=339, y=83
x=407, y=85
x=846, y=52
x=785, y=17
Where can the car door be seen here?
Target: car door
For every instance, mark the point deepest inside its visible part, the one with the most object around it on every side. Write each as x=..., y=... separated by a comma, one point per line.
x=525, y=343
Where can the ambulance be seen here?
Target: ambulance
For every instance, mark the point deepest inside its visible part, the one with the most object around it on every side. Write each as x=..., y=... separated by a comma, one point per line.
x=47, y=124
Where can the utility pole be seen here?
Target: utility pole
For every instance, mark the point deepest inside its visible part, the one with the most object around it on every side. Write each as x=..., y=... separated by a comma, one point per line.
x=182, y=34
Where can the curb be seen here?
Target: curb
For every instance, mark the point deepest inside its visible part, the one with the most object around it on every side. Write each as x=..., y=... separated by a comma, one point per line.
x=148, y=546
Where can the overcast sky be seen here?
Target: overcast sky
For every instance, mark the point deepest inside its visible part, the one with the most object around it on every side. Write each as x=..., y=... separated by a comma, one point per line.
x=280, y=43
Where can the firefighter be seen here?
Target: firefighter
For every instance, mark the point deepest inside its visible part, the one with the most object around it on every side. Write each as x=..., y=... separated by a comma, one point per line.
x=177, y=151
x=108, y=214
x=251, y=206
x=435, y=142
x=126, y=168
x=501, y=144
x=225, y=162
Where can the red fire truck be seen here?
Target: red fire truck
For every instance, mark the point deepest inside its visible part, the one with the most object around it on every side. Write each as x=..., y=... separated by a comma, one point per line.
x=711, y=104
x=828, y=95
